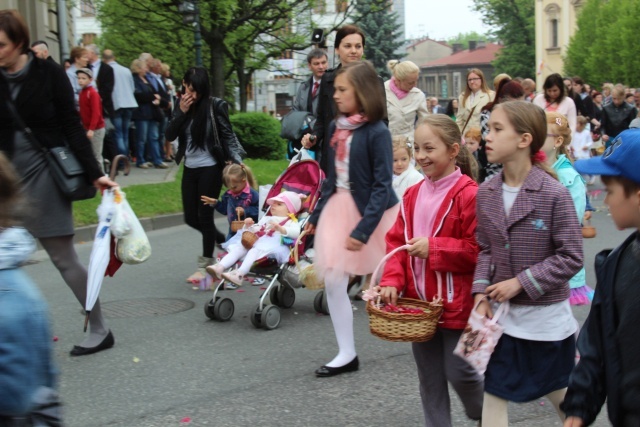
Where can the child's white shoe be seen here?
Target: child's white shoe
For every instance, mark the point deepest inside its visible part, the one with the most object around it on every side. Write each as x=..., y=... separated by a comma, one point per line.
x=215, y=270
x=233, y=276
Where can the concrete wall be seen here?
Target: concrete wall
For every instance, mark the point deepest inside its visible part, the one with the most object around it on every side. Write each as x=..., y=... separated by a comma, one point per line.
x=42, y=24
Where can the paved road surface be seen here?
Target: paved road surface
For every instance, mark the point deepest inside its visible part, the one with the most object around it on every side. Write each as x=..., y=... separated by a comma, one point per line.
x=165, y=368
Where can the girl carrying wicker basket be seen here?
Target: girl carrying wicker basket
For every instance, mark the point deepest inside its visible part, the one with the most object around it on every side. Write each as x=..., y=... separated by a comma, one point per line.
x=438, y=220
x=241, y=198
x=272, y=229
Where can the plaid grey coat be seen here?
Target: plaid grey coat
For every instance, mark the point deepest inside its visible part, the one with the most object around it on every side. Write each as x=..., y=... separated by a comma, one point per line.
x=540, y=242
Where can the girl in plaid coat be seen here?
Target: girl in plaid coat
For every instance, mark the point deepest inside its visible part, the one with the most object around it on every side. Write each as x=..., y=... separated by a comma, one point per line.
x=530, y=246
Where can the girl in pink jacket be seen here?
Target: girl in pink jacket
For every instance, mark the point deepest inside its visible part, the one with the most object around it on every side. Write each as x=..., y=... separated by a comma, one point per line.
x=438, y=219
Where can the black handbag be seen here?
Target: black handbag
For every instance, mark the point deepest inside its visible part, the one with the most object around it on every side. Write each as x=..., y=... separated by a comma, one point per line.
x=296, y=123
x=64, y=166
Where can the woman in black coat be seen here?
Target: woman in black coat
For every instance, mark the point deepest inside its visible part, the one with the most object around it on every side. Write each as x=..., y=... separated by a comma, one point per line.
x=43, y=97
x=207, y=143
x=349, y=47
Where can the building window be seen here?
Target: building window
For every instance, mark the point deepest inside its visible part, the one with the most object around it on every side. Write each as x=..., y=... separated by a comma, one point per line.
x=553, y=38
x=341, y=6
x=554, y=33
x=431, y=85
x=321, y=7
x=87, y=8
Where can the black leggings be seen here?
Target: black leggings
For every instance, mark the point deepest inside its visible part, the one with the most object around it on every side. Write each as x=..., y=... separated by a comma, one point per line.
x=196, y=182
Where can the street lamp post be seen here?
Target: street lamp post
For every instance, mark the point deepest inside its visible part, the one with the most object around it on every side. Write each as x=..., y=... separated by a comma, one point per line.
x=191, y=15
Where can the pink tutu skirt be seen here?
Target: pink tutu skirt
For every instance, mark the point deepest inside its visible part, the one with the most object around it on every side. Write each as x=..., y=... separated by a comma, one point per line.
x=338, y=219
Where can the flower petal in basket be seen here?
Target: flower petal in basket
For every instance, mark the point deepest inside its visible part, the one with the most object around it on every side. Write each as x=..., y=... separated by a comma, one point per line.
x=401, y=327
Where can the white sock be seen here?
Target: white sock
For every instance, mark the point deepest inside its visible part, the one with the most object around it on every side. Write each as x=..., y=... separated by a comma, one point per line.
x=341, y=317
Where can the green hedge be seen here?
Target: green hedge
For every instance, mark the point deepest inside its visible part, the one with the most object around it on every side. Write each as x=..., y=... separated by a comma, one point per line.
x=259, y=134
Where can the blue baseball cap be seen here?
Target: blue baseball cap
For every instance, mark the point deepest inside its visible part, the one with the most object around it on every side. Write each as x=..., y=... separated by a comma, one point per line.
x=622, y=158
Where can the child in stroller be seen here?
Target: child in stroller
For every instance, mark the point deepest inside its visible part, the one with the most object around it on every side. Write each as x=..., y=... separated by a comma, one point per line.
x=277, y=231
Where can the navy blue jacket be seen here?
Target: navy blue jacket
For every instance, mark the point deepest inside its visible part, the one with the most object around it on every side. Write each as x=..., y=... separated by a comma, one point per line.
x=598, y=375
x=370, y=177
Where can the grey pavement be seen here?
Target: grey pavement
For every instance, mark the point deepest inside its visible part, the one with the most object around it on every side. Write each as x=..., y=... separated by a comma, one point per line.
x=171, y=367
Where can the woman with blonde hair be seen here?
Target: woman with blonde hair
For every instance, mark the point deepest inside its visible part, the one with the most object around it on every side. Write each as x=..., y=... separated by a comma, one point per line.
x=405, y=102
x=475, y=96
x=79, y=59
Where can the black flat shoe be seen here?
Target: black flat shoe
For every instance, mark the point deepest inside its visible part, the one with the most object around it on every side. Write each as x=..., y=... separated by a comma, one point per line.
x=328, y=371
x=106, y=343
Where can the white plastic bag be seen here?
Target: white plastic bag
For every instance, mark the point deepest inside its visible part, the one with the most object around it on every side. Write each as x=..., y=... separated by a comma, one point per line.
x=133, y=247
x=121, y=222
x=302, y=154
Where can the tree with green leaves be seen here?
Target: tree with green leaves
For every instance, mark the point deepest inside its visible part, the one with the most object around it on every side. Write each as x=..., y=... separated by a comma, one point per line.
x=380, y=27
x=465, y=38
x=512, y=22
x=132, y=31
x=603, y=47
x=239, y=36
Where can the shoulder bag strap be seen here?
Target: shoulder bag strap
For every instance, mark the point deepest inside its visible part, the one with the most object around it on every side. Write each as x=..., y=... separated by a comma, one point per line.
x=23, y=127
x=468, y=118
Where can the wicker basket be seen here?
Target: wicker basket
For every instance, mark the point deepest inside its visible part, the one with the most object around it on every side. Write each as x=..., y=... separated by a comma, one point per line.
x=237, y=225
x=588, y=230
x=403, y=327
x=249, y=238
x=306, y=273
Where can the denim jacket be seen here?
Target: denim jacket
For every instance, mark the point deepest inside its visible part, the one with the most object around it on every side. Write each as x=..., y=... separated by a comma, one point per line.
x=25, y=341
x=229, y=202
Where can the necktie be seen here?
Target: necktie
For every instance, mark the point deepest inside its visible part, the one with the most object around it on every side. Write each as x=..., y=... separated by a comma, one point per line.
x=314, y=91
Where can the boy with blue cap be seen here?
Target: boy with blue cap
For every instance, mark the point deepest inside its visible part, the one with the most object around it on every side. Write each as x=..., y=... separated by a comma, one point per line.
x=609, y=343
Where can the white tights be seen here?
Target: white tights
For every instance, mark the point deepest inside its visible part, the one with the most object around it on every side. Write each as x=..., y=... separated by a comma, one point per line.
x=341, y=316
x=495, y=414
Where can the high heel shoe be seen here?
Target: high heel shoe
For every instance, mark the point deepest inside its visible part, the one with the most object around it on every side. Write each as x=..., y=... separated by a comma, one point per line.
x=328, y=371
x=106, y=343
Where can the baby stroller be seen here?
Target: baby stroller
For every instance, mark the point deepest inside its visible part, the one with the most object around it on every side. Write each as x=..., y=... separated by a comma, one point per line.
x=303, y=177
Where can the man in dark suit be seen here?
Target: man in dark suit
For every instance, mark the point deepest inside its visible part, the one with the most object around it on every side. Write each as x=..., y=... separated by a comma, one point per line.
x=104, y=79
x=306, y=98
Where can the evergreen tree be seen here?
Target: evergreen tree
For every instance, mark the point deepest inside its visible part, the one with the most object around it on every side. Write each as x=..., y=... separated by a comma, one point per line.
x=380, y=27
x=513, y=23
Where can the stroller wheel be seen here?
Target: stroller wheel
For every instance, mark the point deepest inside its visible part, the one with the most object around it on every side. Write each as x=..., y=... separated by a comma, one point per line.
x=270, y=317
x=256, y=316
x=208, y=309
x=274, y=296
x=223, y=309
x=286, y=296
x=320, y=303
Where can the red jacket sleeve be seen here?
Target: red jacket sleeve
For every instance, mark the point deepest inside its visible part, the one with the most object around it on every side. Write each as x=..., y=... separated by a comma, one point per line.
x=95, y=109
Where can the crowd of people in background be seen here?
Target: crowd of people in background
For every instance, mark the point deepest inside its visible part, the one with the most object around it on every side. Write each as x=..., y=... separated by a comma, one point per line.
x=137, y=103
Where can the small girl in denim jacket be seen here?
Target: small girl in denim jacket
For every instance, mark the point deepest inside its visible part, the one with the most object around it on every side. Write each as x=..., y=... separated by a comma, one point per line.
x=241, y=196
